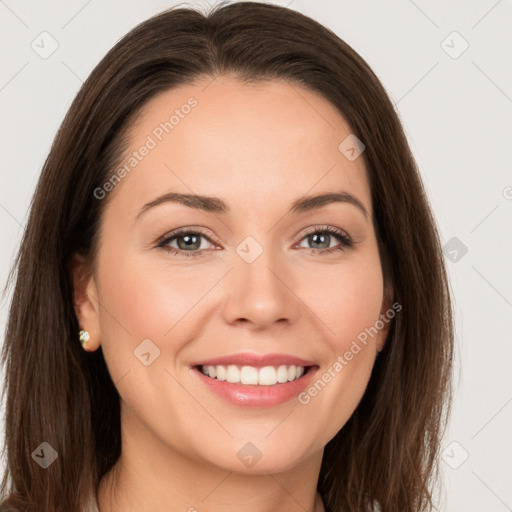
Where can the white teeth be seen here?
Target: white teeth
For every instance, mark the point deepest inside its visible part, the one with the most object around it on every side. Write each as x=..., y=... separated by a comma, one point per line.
x=221, y=373
x=282, y=374
x=248, y=375
x=266, y=376
x=233, y=374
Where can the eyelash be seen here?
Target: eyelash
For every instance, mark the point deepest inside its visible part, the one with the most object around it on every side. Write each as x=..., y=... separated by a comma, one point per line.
x=341, y=236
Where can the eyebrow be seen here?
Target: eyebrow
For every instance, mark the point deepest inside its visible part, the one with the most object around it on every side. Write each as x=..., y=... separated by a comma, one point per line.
x=216, y=205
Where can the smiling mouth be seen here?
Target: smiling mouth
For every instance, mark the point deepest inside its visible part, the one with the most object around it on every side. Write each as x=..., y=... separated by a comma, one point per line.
x=254, y=376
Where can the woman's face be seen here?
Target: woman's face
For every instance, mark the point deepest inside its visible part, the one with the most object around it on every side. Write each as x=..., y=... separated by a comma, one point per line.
x=262, y=277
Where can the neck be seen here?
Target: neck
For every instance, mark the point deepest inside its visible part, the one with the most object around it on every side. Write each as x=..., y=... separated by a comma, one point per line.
x=151, y=476
x=119, y=494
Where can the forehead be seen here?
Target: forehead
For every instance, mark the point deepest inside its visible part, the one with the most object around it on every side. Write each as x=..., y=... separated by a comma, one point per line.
x=252, y=144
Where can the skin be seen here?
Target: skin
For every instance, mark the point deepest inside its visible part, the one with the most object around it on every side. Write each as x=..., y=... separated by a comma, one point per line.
x=258, y=148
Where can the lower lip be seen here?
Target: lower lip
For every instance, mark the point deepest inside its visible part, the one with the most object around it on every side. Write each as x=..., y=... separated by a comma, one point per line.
x=258, y=396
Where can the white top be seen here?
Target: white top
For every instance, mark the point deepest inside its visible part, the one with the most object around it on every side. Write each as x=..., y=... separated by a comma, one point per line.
x=92, y=506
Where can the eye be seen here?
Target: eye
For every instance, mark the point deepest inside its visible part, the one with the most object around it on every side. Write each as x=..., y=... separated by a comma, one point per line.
x=321, y=237
x=189, y=242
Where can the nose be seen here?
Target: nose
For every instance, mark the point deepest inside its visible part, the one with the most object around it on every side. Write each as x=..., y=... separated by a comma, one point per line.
x=261, y=293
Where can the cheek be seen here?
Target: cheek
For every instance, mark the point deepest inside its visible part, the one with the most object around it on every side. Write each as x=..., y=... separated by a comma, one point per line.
x=148, y=295
x=350, y=304
x=346, y=299
x=145, y=299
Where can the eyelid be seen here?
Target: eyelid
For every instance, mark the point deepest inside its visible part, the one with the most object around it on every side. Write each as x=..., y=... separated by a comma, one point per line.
x=212, y=238
x=326, y=227
x=188, y=229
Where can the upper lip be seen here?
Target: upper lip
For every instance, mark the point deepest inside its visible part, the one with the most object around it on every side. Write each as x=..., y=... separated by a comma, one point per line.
x=257, y=360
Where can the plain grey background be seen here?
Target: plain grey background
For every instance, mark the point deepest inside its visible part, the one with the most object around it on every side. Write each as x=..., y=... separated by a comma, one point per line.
x=448, y=68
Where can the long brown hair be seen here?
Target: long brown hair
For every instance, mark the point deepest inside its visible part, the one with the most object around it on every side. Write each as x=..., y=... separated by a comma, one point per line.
x=387, y=453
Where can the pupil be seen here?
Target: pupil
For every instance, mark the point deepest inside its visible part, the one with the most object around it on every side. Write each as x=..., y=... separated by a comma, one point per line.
x=189, y=241
x=315, y=239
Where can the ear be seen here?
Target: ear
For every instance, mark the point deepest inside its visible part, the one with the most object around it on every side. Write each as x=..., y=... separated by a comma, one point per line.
x=387, y=313
x=85, y=298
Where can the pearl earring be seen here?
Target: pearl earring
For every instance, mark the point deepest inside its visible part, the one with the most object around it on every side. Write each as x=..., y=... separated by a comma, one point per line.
x=84, y=337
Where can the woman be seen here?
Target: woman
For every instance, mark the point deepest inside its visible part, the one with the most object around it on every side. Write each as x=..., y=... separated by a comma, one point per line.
x=231, y=223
